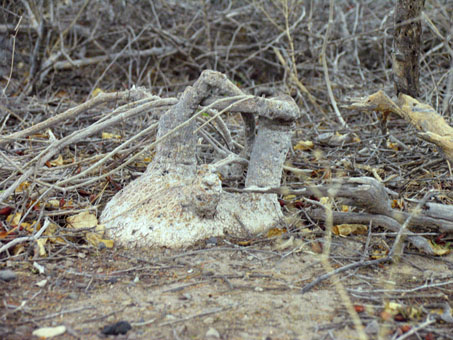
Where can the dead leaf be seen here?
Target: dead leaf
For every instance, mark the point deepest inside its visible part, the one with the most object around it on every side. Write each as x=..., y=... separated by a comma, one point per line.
x=95, y=240
x=304, y=145
x=392, y=146
x=22, y=187
x=5, y=210
x=57, y=162
x=41, y=249
x=349, y=229
x=82, y=220
x=107, y=135
x=316, y=247
x=97, y=91
x=14, y=219
x=276, y=232
x=440, y=250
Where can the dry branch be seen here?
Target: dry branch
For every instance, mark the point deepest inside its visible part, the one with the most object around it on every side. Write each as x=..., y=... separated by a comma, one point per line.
x=432, y=126
x=371, y=195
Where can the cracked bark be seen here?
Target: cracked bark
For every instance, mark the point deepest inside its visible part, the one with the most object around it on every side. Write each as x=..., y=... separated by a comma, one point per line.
x=406, y=46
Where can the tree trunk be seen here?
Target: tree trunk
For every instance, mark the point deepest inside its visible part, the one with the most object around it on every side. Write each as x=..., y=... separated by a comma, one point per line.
x=406, y=46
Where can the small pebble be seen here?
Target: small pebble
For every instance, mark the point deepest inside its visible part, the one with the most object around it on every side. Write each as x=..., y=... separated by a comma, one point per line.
x=41, y=283
x=212, y=241
x=120, y=327
x=49, y=332
x=209, y=320
x=7, y=275
x=212, y=333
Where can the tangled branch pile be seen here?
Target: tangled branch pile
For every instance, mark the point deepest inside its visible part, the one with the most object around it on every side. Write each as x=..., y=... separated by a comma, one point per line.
x=67, y=52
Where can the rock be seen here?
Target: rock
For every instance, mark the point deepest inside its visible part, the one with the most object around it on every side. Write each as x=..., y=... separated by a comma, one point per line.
x=49, y=332
x=7, y=275
x=212, y=333
x=120, y=327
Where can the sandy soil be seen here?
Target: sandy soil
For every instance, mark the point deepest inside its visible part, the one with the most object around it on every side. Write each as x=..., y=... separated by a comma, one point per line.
x=225, y=291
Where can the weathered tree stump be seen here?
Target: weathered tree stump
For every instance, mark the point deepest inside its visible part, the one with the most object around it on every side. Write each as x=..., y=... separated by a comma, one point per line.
x=177, y=202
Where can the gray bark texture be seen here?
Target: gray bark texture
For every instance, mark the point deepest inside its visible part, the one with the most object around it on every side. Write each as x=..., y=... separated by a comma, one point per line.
x=406, y=46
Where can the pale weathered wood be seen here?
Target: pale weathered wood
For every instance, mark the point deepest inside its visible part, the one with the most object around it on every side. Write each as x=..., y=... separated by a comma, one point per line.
x=177, y=201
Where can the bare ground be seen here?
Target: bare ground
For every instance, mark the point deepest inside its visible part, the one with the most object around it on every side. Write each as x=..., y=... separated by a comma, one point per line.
x=226, y=291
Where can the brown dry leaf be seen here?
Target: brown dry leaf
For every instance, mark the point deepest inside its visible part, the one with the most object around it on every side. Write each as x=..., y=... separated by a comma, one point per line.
x=398, y=204
x=359, y=308
x=386, y=316
x=50, y=232
x=30, y=227
x=57, y=204
x=39, y=136
x=14, y=219
x=392, y=146
x=19, y=249
x=96, y=239
x=82, y=220
x=304, y=145
x=356, y=139
x=316, y=247
x=56, y=162
x=439, y=250
x=407, y=312
x=40, y=243
x=276, y=232
x=85, y=220
x=22, y=187
x=61, y=94
x=378, y=254
x=349, y=229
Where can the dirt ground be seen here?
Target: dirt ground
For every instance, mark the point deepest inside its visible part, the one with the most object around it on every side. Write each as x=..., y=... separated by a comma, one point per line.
x=222, y=291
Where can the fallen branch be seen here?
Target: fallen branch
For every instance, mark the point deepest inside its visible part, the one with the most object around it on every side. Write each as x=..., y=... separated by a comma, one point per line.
x=432, y=126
